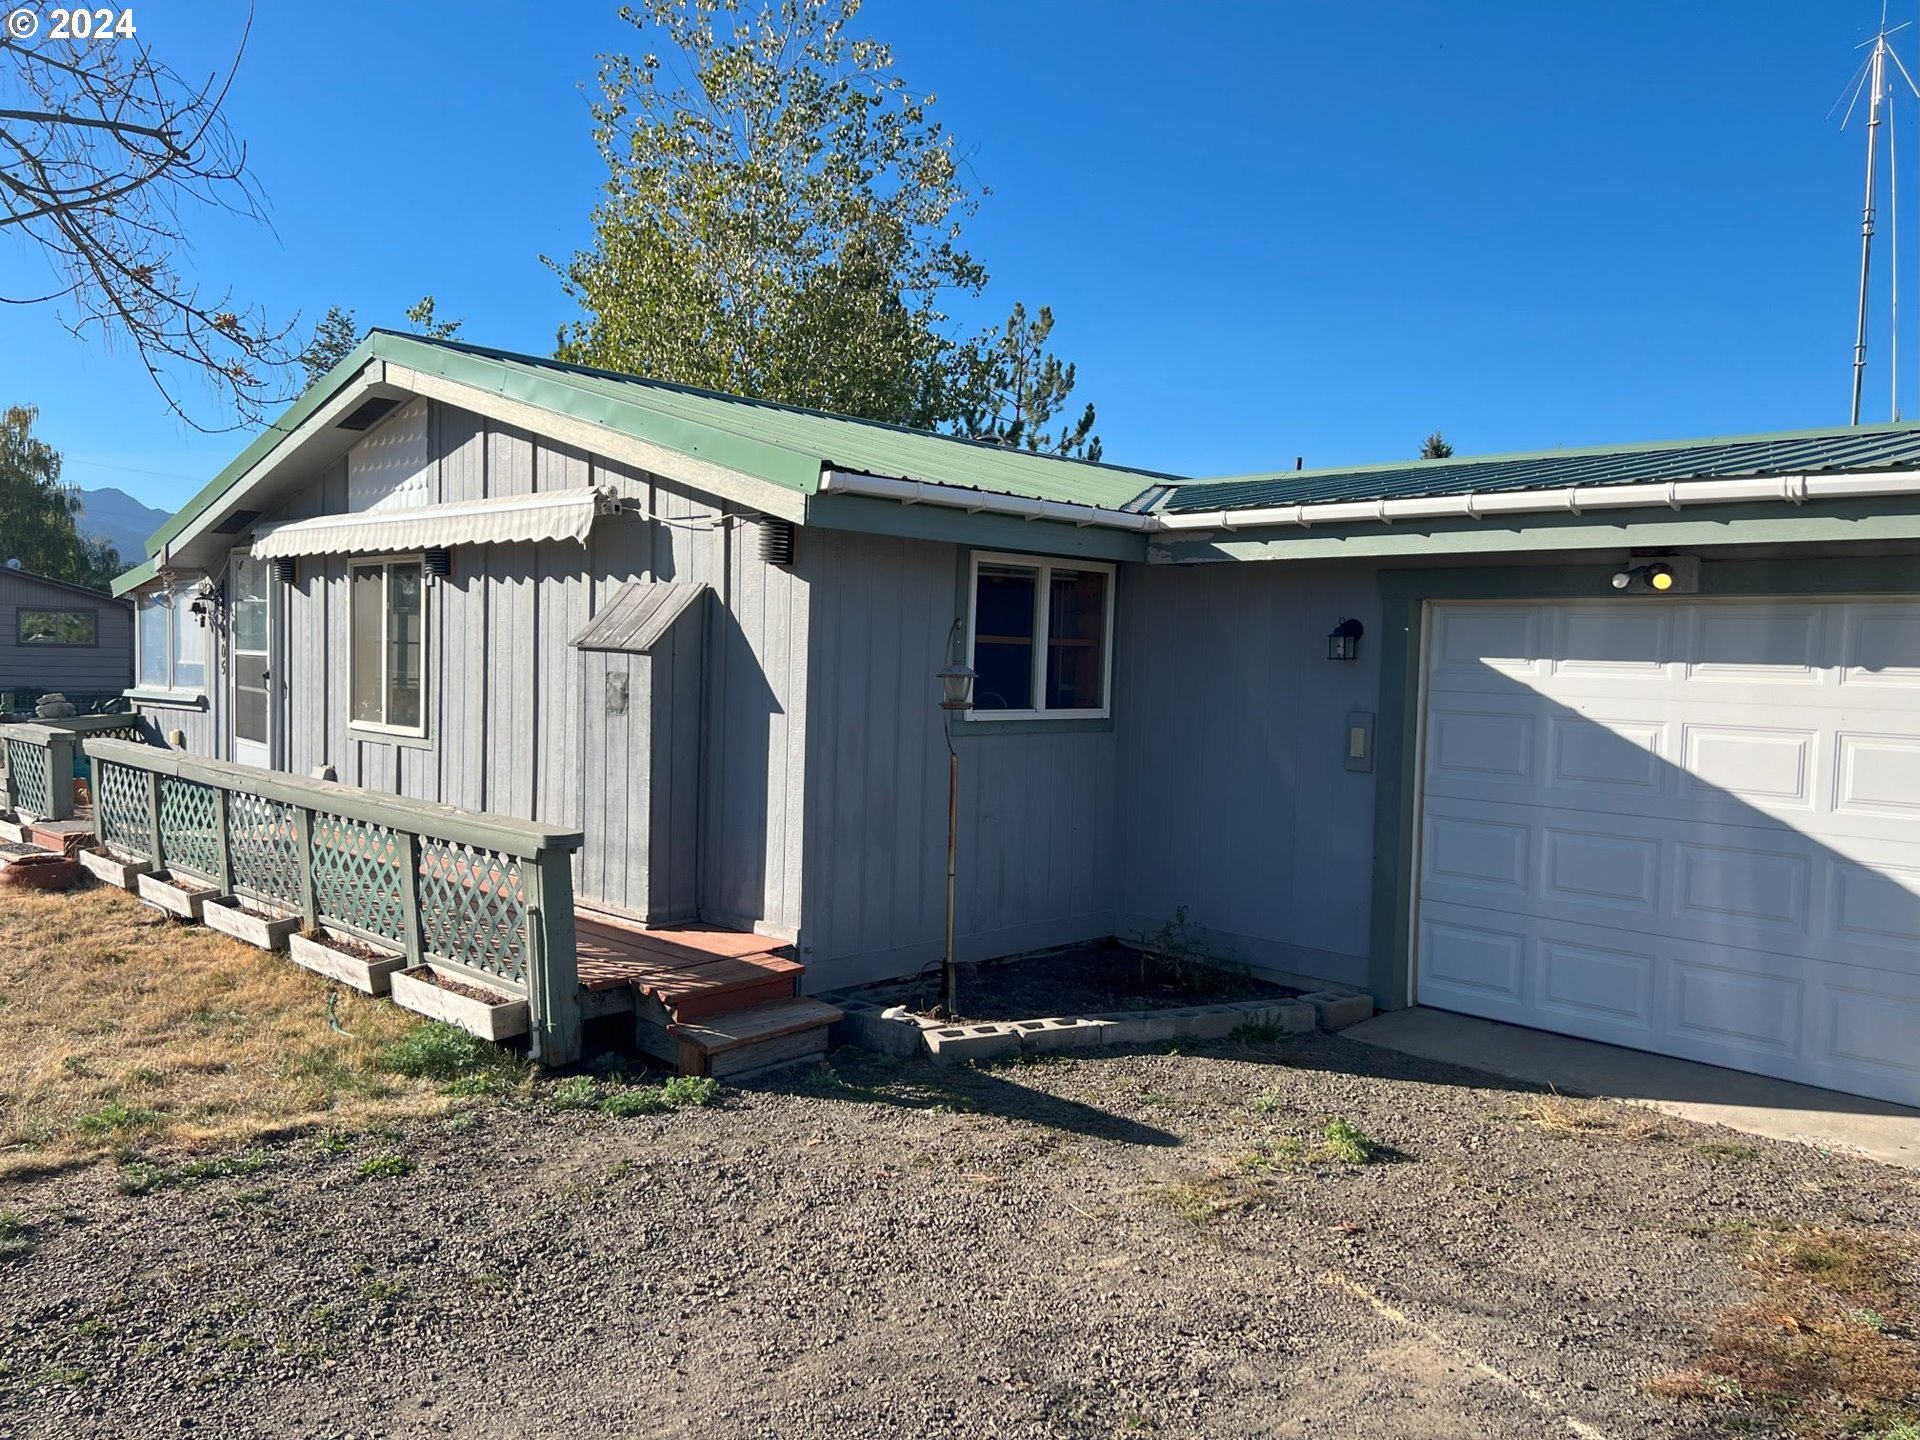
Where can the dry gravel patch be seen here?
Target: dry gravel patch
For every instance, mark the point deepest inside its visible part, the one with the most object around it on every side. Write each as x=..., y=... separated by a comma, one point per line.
x=880, y=1248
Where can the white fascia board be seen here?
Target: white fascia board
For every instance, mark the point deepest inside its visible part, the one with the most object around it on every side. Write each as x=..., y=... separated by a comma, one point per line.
x=1575, y=500
x=717, y=480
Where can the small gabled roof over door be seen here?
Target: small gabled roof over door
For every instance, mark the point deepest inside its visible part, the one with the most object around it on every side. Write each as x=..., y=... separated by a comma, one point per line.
x=638, y=615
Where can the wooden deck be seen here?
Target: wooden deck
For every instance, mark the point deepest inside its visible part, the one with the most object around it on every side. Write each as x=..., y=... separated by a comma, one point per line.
x=705, y=1000
x=694, y=971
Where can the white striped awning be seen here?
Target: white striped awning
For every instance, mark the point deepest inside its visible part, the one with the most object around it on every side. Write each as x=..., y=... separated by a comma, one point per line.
x=513, y=519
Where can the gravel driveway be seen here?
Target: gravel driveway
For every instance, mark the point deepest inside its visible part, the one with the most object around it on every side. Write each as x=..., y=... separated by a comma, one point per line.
x=875, y=1248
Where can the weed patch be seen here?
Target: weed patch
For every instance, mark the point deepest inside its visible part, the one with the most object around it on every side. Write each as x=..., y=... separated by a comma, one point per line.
x=691, y=1090
x=1829, y=1347
x=137, y=1177
x=390, y=1165
x=1558, y=1115
x=1339, y=1142
x=439, y=1051
x=117, y=1119
x=634, y=1102
x=16, y=1237
x=1198, y=1202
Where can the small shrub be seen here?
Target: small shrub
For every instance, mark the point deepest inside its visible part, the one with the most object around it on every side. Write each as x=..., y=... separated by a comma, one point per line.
x=691, y=1090
x=580, y=1092
x=1270, y=1101
x=386, y=1166
x=634, y=1102
x=16, y=1237
x=438, y=1051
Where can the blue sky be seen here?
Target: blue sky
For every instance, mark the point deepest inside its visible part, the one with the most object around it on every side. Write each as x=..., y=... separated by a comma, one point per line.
x=1266, y=230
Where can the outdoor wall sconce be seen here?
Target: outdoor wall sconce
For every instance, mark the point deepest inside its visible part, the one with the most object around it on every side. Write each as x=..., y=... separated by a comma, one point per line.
x=438, y=563
x=1343, y=641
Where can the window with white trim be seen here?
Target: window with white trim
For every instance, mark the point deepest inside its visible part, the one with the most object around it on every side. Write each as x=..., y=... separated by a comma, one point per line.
x=388, y=646
x=1040, y=634
x=170, y=643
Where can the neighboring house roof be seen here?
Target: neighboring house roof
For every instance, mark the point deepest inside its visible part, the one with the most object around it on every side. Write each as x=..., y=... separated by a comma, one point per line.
x=40, y=579
x=779, y=445
x=1793, y=452
x=638, y=615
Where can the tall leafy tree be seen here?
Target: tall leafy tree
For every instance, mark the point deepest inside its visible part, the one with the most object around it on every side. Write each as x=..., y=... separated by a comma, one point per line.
x=782, y=218
x=38, y=512
x=1436, y=447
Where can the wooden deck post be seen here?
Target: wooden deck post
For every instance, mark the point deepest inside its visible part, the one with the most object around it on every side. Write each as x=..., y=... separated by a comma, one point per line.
x=303, y=846
x=411, y=937
x=553, y=962
x=99, y=810
x=60, y=775
x=223, y=840
x=157, y=858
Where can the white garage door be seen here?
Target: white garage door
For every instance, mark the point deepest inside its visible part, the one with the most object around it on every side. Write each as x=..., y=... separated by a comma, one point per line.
x=1685, y=826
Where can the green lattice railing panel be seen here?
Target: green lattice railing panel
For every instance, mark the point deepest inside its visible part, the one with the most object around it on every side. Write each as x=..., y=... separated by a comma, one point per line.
x=31, y=768
x=473, y=908
x=266, y=855
x=122, y=809
x=189, y=828
x=359, y=871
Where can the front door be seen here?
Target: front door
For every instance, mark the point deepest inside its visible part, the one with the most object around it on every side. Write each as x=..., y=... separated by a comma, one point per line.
x=251, y=702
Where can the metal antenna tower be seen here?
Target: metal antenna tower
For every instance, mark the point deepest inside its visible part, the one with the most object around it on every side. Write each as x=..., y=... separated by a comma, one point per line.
x=1873, y=81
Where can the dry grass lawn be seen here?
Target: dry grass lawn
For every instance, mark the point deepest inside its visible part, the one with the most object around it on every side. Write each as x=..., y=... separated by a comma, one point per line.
x=120, y=1028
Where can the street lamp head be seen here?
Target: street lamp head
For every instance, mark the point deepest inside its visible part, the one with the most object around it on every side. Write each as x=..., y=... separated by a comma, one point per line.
x=956, y=687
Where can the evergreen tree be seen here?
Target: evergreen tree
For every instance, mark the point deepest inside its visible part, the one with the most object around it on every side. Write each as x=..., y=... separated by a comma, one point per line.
x=38, y=513
x=1436, y=447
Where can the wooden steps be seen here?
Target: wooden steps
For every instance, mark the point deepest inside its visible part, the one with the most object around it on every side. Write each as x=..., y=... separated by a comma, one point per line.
x=705, y=1000
x=757, y=1039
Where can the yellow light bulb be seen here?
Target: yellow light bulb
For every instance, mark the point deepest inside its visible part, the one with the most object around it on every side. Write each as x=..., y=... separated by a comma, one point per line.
x=1661, y=580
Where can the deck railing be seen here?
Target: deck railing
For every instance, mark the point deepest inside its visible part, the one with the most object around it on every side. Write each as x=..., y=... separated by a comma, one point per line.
x=39, y=757
x=475, y=893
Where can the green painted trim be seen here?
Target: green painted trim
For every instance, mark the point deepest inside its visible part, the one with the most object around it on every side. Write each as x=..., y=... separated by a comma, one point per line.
x=1406, y=595
x=523, y=838
x=977, y=530
x=263, y=445
x=132, y=579
x=1769, y=523
x=1576, y=452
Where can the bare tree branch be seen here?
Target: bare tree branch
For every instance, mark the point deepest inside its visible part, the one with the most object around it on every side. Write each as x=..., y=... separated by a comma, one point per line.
x=104, y=152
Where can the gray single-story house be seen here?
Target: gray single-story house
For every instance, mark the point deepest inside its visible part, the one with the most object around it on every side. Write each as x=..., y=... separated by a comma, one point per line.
x=1620, y=743
x=58, y=636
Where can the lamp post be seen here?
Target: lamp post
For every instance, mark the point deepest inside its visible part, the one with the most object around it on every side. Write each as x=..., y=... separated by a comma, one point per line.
x=956, y=698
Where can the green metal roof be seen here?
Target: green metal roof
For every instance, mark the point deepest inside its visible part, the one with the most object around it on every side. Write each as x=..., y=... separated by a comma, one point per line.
x=781, y=445
x=1790, y=452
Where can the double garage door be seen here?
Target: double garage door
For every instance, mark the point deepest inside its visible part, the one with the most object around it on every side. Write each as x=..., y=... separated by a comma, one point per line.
x=1686, y=826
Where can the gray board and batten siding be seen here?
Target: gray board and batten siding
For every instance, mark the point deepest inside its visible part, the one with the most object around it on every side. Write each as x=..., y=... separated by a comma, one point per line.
x=813, y=735
x=104, y=667
x=504, y=716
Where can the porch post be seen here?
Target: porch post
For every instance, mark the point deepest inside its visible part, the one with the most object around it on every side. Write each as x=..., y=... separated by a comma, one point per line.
x=60, y=775
x=223, y=841
x=157, y=859
x=303, y=847
x=553, y=967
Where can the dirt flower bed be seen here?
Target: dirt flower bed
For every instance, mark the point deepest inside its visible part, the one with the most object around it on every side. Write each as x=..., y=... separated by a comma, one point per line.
x=1287, y=1240
x=1096, y=979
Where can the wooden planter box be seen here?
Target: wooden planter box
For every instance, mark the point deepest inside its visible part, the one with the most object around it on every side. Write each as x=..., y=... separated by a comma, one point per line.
x=158, y=888
x=12, y=831
x=414, y=990
x=370, y=976
x=109, y=868
x=264, y=933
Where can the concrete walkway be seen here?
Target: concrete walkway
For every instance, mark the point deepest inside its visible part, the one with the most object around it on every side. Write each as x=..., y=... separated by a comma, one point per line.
x=1779, y=1109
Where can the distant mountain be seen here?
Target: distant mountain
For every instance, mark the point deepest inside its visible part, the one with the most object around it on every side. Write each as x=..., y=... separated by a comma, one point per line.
x=119, y=519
